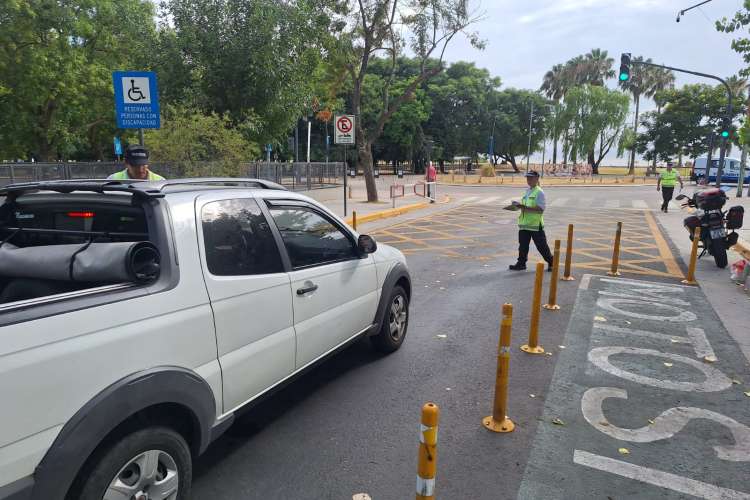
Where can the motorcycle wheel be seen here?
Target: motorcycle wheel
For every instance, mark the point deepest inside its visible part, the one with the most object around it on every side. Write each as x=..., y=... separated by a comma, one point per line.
x=719, y=251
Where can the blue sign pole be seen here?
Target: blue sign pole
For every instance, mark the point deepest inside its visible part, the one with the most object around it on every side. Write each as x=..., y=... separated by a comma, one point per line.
x=118, y=147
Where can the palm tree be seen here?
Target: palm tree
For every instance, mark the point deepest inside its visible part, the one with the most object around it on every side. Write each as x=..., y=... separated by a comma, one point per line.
x=640, y=83
x=597, y=67
x=555, y=84
x=661, y=79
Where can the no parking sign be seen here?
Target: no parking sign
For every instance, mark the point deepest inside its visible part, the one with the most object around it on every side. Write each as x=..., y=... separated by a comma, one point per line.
x=344, y=129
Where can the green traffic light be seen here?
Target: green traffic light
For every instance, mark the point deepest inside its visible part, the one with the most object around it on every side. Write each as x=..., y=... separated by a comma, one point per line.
x=624, y=77
x=725, y=133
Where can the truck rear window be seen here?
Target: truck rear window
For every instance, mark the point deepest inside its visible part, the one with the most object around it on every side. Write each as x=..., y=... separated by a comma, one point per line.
x=53, y=245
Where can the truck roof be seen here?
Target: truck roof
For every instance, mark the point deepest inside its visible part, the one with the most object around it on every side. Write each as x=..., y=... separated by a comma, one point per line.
x=137, y=188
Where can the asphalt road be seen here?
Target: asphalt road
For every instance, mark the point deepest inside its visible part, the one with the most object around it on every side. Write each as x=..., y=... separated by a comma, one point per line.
x=351, y=425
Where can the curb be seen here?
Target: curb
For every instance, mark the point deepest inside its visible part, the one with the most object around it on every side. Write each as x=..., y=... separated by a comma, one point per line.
x=384, y=214
x=515, y=185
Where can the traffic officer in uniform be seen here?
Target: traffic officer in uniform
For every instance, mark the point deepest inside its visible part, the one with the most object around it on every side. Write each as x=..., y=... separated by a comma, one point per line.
x=666, y=183
x=531, y=223
x=136, y=166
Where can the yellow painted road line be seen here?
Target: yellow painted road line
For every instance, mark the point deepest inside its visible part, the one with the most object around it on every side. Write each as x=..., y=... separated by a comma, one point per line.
x=664, y=250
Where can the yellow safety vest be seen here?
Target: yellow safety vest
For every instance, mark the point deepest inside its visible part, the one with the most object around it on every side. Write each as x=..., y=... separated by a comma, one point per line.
x=668, y=179
x=122, y=175
x=530, y=221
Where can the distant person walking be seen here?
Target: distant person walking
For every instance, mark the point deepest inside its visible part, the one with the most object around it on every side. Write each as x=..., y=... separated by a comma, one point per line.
x=531, y=223
x=136, y=166
x=666, y=183
x=431, y=176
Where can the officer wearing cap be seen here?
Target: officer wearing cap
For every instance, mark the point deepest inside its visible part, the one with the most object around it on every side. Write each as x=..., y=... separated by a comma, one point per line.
x=136, y=166
x=666, y=184
x=531, y=223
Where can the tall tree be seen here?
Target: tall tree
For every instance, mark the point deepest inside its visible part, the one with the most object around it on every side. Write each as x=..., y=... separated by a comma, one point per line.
x=372, y=27
x=556, y=83
x=597, y=67
x=661, y=79
x=252, y=60
x=640, y=83
x=739, y=23
x=514, y=124
x=56, y=62
x=596, y=114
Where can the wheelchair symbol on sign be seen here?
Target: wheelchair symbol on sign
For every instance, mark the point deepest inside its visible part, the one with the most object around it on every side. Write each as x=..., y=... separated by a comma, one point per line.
x=134, y=93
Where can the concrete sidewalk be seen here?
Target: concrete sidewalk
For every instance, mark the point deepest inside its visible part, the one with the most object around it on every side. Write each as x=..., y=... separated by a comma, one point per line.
x=730, y=302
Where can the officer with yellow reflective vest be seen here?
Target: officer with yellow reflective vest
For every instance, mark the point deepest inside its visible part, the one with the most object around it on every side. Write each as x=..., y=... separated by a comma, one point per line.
x=666, y=183
x=531, y=223
x=136, y=166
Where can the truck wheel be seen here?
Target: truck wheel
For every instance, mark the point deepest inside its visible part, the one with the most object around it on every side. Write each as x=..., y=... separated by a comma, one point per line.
x=719, y=251
x=395, y=322
x=150, y=463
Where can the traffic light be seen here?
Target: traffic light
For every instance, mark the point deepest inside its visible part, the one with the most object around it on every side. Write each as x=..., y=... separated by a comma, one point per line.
x=625, y=67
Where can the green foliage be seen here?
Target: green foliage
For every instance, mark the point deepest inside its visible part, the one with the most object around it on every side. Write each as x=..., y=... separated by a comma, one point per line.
x=56, y=60
x=512, y=116
x=200, y=144
x=739, y=23
x=595, y=114
x=689, y=116
x=249, y=59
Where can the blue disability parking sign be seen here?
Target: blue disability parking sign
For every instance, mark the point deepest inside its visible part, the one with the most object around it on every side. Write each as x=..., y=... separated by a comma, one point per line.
x=136, y=99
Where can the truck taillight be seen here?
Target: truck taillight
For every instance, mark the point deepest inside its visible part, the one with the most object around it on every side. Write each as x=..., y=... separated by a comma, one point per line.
x=81, y=215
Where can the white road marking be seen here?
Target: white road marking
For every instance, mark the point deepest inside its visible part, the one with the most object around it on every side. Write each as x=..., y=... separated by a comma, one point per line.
x=470, y=199
x=715, y=380
x=664, y=426
x=696, y=337
x=487, y=201
x=559, y=202
x=609, y=305
x=639, y=204
x=656, y=477
x=612, y=204
x=508, y=202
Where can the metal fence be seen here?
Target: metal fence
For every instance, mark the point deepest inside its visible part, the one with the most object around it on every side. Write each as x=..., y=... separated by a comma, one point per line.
x=294, y=176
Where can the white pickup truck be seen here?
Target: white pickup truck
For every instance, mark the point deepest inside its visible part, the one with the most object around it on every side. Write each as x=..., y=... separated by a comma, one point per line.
x=136, y=318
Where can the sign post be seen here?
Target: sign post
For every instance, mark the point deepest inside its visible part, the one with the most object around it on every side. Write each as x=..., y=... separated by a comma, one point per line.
x=343, y=133
x=136, y=100
x=118, y=147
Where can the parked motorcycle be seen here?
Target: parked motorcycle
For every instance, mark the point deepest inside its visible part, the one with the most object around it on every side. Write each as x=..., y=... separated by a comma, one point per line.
x=714, y=222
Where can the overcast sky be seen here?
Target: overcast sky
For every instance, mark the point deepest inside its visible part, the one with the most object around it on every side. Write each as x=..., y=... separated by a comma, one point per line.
x=525, y=38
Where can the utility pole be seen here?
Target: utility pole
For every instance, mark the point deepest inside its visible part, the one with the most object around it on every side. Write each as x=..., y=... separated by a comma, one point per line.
x=309, y=127
x=528, y=149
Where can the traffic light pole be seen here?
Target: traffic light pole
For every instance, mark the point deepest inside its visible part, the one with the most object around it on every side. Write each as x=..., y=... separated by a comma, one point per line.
x=727, y=118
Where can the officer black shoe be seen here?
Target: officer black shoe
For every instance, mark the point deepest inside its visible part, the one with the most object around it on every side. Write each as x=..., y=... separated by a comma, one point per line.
x=549, y=268
x=517, y=267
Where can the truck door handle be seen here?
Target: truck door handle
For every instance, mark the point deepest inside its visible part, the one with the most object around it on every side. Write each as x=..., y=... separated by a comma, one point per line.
x=309, y=287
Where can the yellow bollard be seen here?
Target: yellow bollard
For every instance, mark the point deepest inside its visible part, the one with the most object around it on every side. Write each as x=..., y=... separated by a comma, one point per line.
x=427, y=465
x=552, y=301
x=690, y=280
x=614, y=270
x=499, y=421
x=533, y=346
x=568, y=255
x=354, y=219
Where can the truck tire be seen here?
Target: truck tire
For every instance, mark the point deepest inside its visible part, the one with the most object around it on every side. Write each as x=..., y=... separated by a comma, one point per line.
x=719, y=251
x=395, y=322
x=154, y=460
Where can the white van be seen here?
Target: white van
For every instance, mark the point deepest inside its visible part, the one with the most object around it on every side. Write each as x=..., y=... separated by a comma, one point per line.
x=731, y=171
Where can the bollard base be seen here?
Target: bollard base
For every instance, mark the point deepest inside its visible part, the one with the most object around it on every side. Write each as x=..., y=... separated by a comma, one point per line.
x=567, y=278
x=493, y=425
x=532, y=350
x=551, y=307
x=616, y=273
x=689, y=282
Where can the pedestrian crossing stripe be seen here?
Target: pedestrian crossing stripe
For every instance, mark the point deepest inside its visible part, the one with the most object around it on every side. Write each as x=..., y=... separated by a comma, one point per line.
x=577, y=203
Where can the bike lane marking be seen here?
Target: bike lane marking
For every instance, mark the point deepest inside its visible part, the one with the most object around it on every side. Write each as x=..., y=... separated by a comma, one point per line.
x=645, y=415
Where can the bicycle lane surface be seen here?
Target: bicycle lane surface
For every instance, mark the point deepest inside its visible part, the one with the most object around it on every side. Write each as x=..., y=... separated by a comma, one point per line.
x=647, y=400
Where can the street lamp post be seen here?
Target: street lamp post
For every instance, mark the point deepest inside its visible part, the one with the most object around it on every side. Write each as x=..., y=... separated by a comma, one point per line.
x=528, y=149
